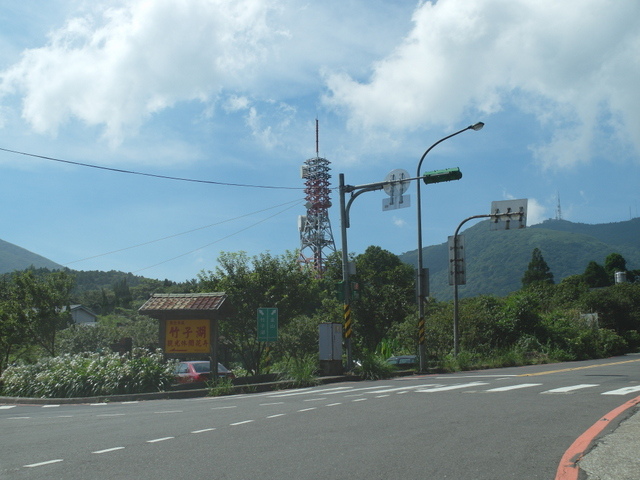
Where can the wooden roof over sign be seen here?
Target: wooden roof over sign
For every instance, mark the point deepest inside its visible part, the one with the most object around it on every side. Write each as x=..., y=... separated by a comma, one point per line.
x=168, y=303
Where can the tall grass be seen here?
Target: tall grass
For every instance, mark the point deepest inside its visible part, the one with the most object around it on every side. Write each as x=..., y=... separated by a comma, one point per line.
x=88, y=375
x=301, y=371
x=374, y=367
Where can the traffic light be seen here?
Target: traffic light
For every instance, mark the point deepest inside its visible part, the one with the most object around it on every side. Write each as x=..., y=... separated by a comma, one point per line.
x=445, y=175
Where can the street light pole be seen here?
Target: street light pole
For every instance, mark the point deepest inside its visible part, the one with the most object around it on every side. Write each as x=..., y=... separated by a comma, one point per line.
x=456, y=329
x=420, y=278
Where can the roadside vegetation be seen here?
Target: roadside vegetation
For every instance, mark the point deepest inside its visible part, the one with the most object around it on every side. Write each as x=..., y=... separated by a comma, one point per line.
x=43, y=355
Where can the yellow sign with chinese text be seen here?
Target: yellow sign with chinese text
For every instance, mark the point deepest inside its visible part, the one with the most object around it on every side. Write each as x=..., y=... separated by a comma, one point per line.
x=187, y=336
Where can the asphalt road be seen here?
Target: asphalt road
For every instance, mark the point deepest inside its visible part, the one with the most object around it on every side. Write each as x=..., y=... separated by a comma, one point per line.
x=494, y=424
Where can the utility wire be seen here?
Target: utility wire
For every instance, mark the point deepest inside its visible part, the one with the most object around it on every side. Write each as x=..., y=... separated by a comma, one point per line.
x=219, y=240
x=153, y=175
x=295, y=202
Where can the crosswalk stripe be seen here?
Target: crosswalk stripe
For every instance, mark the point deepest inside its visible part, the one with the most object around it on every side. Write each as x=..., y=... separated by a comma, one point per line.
x=451, y=387
x=623, y=391
x=572, y=388
x=513, y=387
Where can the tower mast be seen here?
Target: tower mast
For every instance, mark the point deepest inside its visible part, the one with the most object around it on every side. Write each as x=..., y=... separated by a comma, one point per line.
x=316, y=237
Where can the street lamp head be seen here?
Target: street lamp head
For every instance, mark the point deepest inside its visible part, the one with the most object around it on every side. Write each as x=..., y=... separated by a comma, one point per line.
x=477, y=126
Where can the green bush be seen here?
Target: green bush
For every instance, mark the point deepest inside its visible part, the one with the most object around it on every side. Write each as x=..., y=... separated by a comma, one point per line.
x=302, y=371
x=374, y=367
x=89, y=374
x=220, y=387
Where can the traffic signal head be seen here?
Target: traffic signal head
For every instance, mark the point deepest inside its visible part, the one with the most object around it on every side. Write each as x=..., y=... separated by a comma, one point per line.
x=445, y=175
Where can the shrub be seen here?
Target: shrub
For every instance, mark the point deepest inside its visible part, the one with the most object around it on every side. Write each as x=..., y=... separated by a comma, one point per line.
x=89, y=374
x=374, y=367
x=219, y=387
x=302, y=372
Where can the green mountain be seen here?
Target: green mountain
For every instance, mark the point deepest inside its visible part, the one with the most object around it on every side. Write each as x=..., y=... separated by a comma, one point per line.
x=13, y=258
x=496, y=260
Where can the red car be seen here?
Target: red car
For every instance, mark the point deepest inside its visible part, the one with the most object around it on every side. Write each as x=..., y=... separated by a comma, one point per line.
x=198, y=371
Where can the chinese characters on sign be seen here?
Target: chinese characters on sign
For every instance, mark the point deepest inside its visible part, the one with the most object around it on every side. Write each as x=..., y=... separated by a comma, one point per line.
x=187, y=336
x=267, y=324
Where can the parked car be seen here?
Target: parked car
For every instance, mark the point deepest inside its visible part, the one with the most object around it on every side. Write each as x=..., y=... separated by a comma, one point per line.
x=403, y=362
x=198, y=371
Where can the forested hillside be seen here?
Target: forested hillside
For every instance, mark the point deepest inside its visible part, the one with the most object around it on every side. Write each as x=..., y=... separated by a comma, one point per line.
x=13, y=258
x=496, y=260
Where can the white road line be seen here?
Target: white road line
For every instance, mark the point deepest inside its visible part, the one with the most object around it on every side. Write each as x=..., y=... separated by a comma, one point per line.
x=203, y=430
x=98, y=404
x=308, y=409
x=513, y=387
x=333, y=404
x=269, y=404
x=107, y=450
x=332, y=391
x=111, y=415
x=130, y=403
x=43, y=463
x=277, y=415
x=169, y=411
x=572, y=388
x=406, y=388
x=155, y=440
x=382, y=396
x=50, y=406
x=451, y=387
x=314, y=399
x=241, y=423
x=6, y=407
x=224, y=408
x=359, y=400
x=623, y=391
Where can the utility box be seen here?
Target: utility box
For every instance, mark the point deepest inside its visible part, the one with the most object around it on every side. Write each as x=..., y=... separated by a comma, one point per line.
x=330, y=343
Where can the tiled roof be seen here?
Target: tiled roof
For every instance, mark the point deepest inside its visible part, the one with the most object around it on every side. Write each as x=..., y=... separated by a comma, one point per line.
x=171, y=302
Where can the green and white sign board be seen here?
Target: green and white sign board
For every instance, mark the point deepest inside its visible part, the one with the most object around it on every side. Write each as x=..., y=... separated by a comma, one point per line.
x=267, y=324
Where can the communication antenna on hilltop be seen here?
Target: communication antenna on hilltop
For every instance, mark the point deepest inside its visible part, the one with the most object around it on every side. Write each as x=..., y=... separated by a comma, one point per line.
x=316, y=237
x=558, y=209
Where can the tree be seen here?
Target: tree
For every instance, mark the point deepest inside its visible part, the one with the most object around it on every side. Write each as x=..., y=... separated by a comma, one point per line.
x=261, y=281
x=538, y=271
x=387, y=295
x=44, y=303
x=12, y=332
x=596, y=276
x=614, y=263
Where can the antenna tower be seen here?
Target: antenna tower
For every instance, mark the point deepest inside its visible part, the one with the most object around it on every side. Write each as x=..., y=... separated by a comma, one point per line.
x=558, y=209
x=316, y=237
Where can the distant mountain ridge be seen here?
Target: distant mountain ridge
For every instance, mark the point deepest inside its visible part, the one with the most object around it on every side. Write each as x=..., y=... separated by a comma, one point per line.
x=14, y=258
x=496, y=261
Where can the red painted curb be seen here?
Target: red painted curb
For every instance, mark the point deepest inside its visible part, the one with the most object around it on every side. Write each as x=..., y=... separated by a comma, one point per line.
x=568, y=468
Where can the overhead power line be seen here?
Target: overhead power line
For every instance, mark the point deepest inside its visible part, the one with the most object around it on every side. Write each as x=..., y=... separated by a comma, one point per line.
x=153, y=175
x=294, y=202
x=219, y=240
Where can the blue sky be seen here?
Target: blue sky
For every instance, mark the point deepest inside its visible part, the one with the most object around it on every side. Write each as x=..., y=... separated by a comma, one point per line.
x=229, y=91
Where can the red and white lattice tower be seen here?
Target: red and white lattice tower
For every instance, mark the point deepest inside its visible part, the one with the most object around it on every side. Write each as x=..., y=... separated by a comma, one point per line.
x=316, y=237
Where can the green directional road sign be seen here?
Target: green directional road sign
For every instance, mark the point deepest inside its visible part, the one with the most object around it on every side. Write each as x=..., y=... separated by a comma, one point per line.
x=267, y=324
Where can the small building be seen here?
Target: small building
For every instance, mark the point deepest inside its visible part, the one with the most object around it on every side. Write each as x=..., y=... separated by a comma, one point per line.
x=82, y=315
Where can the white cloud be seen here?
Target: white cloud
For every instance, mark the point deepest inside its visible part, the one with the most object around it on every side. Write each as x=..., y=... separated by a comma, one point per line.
x=399, y=222
x=120, y=62
x=121, y=65
x=570, y=63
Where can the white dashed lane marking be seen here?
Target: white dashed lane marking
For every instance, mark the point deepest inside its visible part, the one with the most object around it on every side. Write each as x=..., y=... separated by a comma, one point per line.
x=572, y=388
x=514, y=387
